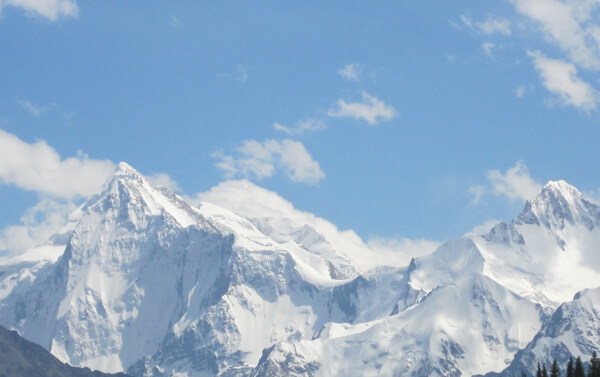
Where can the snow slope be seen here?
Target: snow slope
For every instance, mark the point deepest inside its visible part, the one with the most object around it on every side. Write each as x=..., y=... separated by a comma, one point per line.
x=471, y=326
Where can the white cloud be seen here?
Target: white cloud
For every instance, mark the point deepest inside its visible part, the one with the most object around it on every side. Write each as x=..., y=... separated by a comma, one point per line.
x=476, y=192
x=494, y=25
x=370, y=109
x=351, y=71
x=225, y=163
x=572, y=25
x=247, y=200
x=560, y=78
x=33, y=109
x=278, y=219
x=38, y=110
x=485, y=227
x=305, y=125
x=487, y=49
x=516, y=183
x=520, y=91
x=38, y=167
x=37, y=225
x=454, y=24
x=51, y=9
x=163, y=179
x=262, y=159
x=402, y=250
x=466, y=20
x=490, y=26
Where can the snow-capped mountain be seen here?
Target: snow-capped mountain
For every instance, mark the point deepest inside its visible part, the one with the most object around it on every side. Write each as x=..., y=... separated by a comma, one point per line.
x=573, y=330
x=143, y=274
x=547, y=254
x=141, y=281
x=471, y=326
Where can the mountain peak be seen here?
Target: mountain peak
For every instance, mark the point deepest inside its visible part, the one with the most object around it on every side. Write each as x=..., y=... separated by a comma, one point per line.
x=130, y=193
x=559, y=202
x=126, y=170
x=561, y=188
x=559, y=197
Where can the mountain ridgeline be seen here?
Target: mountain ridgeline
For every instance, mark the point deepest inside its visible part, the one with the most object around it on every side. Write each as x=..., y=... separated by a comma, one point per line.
x=142, y=282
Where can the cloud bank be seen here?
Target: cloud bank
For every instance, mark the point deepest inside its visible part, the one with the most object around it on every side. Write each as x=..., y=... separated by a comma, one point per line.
x=284, y=221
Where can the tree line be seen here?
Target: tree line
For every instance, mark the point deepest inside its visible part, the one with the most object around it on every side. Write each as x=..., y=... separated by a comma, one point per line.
x=574, y=368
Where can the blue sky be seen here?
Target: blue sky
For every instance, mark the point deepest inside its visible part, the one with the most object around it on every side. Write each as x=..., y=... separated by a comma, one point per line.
x=416, y=119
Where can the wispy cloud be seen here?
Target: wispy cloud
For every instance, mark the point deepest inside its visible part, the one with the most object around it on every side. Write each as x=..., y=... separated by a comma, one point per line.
x=487, y=49
x=515, y=183
x=304, y=125
x=351, y=71
x=163, y=179
x=34, y=110
x=50, y=9
x=467, y=21
x=38, y=110
x=371, y=109
x=263, y=159
x=490, y=25
x=402, y=250
x=520, y=91
x=476, y=193
x=494, y=25
x=561, y=78
x=485, y=227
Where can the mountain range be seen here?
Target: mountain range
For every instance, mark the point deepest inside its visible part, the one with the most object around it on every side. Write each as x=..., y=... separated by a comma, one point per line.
x=141, y=281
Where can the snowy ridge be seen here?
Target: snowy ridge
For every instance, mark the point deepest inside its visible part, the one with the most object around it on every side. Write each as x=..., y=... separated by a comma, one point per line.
x=428, y=339
x=547, y=254
x=141, y=281
x=573, y=330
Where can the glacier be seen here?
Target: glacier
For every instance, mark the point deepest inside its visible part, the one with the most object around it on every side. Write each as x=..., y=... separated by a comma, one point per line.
x=142, y=281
